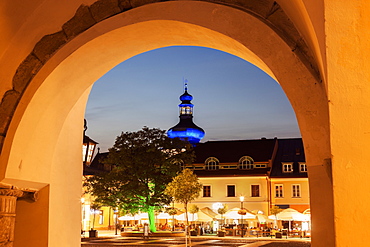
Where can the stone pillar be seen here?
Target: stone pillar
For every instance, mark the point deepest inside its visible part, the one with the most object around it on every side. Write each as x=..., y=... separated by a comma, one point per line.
x=8, y=200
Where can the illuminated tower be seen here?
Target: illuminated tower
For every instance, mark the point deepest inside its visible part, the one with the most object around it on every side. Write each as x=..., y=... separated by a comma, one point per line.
x=186, y=129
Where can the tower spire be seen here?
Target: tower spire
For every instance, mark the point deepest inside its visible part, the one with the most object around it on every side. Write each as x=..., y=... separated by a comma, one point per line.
x=186, y=129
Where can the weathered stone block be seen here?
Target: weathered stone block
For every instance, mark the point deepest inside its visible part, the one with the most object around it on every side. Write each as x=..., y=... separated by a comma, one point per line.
x=103, y=9
x=80, y=22
x=283, y=26
x=124, y=5
x=25, y=72
x=138, y=3
x=258, y=7
x=7, y=107
x=2, y=138
x=49, y=44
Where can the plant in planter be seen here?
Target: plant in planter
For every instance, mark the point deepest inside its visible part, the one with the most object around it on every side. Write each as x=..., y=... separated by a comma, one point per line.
x=193, y=209
x=94, y=207
x=222, y=211
x=221, y=233
x=172, y=212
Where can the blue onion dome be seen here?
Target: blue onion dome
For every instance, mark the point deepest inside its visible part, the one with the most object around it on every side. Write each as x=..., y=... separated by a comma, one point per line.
x=186, y=97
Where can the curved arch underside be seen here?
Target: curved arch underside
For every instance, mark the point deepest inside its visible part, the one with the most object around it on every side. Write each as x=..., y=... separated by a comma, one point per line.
x=51, y=86
x=86, y=17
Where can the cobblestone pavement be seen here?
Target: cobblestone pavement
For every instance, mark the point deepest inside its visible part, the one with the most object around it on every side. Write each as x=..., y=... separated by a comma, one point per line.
x=180, y=242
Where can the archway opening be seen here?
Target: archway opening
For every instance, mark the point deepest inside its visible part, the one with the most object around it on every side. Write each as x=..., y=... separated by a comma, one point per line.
x=54, y=102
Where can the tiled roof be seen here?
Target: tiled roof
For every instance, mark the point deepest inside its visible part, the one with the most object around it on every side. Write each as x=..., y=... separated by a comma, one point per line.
x=259, y=150
x=289, y=150
x=96, y=165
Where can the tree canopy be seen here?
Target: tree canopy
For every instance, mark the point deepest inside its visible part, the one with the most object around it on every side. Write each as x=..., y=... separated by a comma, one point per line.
x=184, y=188
x=144, y=163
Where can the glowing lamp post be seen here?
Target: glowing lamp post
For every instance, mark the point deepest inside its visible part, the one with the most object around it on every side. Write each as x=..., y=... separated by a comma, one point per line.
x=241, y=212
x=88, y=147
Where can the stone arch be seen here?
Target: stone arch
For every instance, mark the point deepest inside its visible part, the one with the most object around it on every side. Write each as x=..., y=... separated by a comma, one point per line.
x=53, y=83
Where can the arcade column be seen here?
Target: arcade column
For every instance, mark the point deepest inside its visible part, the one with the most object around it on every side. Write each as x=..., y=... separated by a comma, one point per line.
x=8, y=201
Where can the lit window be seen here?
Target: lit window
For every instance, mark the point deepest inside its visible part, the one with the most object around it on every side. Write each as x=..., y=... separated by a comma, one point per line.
x=260, y=165
x=231, y=191
x=206, y=191
x=246, y=163
x=101, y=217
x=302, y=167
x=255, y=190
x=186, y=110
x=212, y=163
x=296, y=190
x=287, y=167
x=279, y=190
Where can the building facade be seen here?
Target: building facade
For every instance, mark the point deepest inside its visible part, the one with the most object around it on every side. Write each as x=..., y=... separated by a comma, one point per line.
x=265, y=172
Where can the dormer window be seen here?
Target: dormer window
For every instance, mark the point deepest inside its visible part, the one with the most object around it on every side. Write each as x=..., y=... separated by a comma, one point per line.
x=212, y=163
x=302, y=167
x=246, y=163
x=180, y=164
x=287, y=167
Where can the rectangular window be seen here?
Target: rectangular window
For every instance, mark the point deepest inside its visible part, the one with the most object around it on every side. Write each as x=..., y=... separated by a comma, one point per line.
x=296, y=190
x=279, y=190
x=255, y=189
x=206, y=191
x=287, y=167
x=101, y=217
x=231, y=191
x=302, y=167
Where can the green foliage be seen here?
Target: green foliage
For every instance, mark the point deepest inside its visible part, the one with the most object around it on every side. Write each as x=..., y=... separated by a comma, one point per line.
x=144, y=163
x=171, y=211
x=223, y=210
x=275, y=210
x=193, y=209
x=184, y=188
x=95, y=206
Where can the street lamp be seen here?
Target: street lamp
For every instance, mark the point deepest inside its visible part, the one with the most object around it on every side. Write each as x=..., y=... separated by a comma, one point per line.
x=88, y=147
x=241, y=213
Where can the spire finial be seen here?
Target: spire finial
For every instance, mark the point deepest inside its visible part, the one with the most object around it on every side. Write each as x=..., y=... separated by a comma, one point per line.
x=186, y=84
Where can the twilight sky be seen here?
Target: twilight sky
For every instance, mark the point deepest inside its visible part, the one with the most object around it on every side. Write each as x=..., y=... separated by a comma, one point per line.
x=232, y=98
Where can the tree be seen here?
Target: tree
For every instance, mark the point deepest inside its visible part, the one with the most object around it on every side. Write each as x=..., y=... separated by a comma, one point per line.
x=144, y=163
x=193, y=209
x=275, y=210
x=184, y=188
x=94, y=206
x=222, y=210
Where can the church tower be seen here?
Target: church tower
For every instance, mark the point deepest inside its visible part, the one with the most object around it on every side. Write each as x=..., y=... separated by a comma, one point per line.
x=186, y=129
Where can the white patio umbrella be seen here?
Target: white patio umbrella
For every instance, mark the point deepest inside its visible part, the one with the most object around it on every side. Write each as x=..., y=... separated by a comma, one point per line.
x=263, y=218
x=289, y=214
x=191, y=217
x=141, y=216
x=163, y=216
x=307, y=215
x=233, y=214
x=208, y=212
x=126, y=217
x=203, y=216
